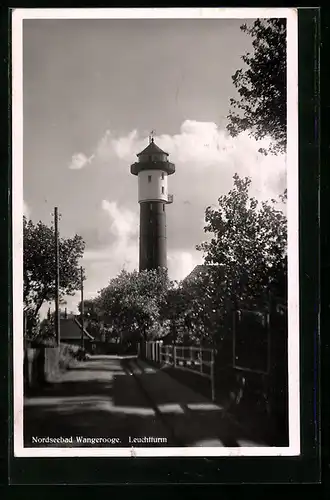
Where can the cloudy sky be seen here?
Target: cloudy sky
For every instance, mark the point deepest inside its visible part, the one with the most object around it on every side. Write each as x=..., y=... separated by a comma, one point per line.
x=92, y=91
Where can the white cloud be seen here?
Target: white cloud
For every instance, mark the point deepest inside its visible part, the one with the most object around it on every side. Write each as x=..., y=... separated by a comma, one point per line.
x=79, y=160
x=124, y=146
x=107, y=147
x=122, y=252
x=180, y=264
x=206, y=159
x=205, y=156
x=124, y=222
x=201, y=149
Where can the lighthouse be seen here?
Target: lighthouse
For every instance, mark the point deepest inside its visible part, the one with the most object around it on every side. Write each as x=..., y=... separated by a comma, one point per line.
x=152, y=170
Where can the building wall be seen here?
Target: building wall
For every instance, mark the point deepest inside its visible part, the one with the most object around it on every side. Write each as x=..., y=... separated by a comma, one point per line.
x=152, y=185
x=152, y=235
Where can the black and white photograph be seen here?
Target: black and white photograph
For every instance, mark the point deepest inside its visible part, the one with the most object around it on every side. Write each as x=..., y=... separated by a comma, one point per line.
x=155, y=232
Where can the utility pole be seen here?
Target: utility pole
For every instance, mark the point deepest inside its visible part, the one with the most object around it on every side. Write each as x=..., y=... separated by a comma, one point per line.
x=82, y=306
x=57, y=279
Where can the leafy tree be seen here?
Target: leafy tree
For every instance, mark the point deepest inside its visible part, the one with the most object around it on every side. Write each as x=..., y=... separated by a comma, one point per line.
x=47, y=327
x=132, y=303
x=93, y=320
x=90, y=309
x=246, y=254
x=190, y=311
x=31, y=323
x=39, y=266
x=245, y=258
x=261, y=108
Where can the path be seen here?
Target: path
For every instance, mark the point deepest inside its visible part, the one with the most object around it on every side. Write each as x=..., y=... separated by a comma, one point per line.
x=129, y=402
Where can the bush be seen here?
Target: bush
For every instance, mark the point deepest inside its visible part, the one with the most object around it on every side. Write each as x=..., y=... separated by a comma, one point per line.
x=70, y=353
x=80, y=354
x=64, y=357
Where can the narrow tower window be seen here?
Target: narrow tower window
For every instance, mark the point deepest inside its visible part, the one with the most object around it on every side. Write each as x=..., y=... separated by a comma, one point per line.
x=163, y=207
x=149, y=178
x=163, y=190
x=163, y=176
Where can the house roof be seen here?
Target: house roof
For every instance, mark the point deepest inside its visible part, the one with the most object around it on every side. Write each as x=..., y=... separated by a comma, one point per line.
x=70, y=328
x=152, y=148
x=197, y=271
x=200, y=270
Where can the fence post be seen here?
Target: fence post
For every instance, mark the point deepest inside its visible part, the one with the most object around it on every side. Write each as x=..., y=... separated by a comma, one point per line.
x=234, y=313
x=201, y=359
x=269, y=346
x=212, y=376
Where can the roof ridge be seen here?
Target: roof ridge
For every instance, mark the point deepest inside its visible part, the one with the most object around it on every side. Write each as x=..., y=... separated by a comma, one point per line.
x=152, y=148
x=85, y=331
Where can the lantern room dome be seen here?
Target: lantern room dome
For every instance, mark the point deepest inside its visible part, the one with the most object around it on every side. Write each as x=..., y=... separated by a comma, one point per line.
x=152, y=158
x=152, y=149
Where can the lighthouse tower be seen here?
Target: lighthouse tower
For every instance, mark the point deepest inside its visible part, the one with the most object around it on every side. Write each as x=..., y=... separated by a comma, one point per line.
x=152, y=170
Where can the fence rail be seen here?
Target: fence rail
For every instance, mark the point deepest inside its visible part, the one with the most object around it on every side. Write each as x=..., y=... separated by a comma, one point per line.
x=192, y=359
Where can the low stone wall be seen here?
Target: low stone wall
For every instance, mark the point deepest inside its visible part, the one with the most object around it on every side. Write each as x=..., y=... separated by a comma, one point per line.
x=42, y=364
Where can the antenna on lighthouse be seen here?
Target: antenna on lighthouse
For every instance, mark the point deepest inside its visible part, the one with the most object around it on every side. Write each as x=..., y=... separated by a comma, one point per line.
x=151, y=136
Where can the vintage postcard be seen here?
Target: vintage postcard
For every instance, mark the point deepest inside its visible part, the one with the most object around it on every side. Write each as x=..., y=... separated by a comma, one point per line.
x=155, y=232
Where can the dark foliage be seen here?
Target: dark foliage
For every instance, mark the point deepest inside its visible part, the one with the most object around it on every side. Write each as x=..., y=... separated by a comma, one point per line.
x=261, y=85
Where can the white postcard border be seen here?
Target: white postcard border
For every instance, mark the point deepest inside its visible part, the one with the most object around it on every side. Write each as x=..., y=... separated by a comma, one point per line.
x=293, y=226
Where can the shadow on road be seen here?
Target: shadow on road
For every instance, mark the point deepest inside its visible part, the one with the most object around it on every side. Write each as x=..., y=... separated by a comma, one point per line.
x=250, y=412
x=102, y=397
x=85, y=403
